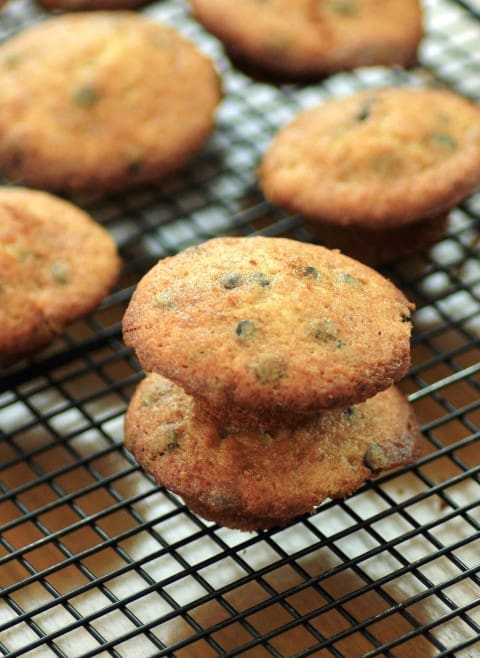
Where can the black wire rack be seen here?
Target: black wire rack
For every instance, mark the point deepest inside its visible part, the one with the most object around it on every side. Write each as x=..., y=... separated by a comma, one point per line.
x=98, y=560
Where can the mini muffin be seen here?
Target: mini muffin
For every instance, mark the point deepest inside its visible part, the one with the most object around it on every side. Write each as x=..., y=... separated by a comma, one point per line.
x=376, y=159
x=254, y=479
x=311, y=39
x=56, y=265
x=269, y=330
x=100, y=101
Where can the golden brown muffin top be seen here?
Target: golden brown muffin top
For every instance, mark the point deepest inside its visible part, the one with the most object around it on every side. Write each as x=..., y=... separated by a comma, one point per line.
x=379, y=158
x=102, y=100
x=56, y=265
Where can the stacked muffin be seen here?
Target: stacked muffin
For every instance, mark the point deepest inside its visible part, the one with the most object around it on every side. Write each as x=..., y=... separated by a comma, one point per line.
x=271, y=369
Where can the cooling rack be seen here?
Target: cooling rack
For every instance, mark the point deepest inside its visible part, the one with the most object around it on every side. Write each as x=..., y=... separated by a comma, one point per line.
x=98, y=560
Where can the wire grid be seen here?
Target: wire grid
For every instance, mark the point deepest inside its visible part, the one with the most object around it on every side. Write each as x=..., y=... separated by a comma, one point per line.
x=98, y=560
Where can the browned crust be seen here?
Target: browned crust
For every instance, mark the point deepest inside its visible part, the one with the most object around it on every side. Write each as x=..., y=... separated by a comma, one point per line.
x=306, y=328
x=56, y=265
x=376, y=159
x=253, y=479
x=100, y=101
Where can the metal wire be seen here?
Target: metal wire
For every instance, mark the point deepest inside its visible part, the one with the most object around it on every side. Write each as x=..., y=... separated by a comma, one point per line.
x=96, y=559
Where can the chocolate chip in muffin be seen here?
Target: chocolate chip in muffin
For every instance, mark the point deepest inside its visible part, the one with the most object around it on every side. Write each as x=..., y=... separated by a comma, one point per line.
x=245, y=329
x=270, y=370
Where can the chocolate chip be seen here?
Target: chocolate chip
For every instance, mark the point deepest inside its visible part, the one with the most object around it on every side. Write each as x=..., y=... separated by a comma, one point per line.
x=245, y=329
x=343, y=7
x=375, y=458
x=270, y=369
x=60, y=273
x=231, y=280
x=261, y=279
x=325, y=331
x=170, y=440
x=349, y=280
x=306, y=272
x=86, y=95
x=365, y=110
x=164, y=300
x=444, y=140
x=221, y=500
